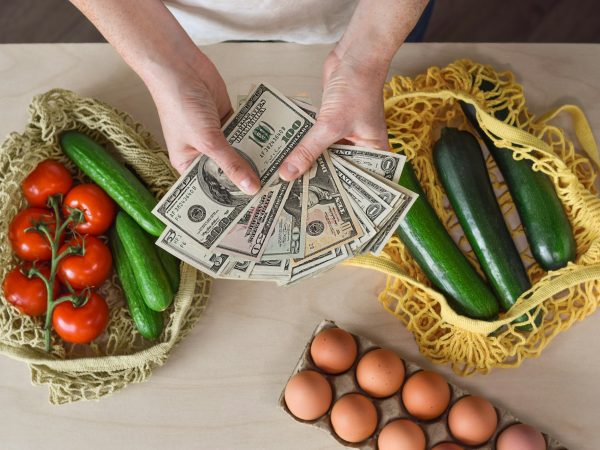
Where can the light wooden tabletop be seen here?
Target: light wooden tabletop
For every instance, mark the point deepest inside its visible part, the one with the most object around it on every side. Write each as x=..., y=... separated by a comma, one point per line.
x=219, y=389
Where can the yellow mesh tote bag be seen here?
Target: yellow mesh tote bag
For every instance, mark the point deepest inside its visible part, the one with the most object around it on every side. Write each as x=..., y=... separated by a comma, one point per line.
x=416, y=109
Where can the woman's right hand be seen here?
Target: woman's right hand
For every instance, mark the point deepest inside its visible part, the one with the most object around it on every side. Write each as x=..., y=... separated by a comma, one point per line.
x=193, y=103
x=187, y=89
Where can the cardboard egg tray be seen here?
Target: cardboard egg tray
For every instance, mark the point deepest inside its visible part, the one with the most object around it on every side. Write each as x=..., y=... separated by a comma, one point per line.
x=436, y=431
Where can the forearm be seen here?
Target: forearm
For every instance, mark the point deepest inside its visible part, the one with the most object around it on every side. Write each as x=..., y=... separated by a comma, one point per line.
x=377, y=29
x=147, y=37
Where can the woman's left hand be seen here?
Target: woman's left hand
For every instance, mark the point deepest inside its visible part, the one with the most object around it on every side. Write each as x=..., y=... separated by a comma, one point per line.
x=352, y=109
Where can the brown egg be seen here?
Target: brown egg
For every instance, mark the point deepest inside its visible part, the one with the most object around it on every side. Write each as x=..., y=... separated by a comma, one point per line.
x=522, y=437
x=308, y=395
x=333, y=350
x=426, y=395
x=380, y=373
x=354, y=417
x=401, y=434
x=448, y=446
x=472, y=420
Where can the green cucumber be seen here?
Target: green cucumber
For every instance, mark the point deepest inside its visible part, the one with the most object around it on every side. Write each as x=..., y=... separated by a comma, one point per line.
x=439, y=257
x=171, y=266
x=151, y=277
x=461, y=168
x=544, y=220
x=148, y=322
x=112, y=176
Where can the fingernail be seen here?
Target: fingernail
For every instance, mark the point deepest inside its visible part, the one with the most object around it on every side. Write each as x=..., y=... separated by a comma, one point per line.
x=289, y=171
x=248, y=187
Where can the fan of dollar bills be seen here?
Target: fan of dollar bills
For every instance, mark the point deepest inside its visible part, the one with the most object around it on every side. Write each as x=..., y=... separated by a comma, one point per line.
x=347, y=204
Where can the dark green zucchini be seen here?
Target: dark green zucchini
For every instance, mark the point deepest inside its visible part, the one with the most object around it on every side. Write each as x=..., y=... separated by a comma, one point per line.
x=461, y=168
x=439, y=257
x=544, y=220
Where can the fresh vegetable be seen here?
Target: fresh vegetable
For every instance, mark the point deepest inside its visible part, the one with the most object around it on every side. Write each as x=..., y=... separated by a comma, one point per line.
x=83, y=323
x=544, y=220
x=49, y=178
x=151, y=277
x=98, y=208
x=52, y=231
x=171, y=266
x=461, y=168
x=440, y=258
x=148, y=322
x=88, y=265
x=27, y=243
x=112, y=176
x=26, y=292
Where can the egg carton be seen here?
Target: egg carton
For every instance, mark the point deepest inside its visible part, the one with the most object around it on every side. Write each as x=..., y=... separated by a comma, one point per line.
x=436, y=431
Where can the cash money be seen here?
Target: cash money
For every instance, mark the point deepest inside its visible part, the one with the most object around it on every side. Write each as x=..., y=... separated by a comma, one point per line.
x=188, y=250
x=384, y=189
x=248, y=237
x=380, y=162
x=204, y=203
x=376, y=209
x=331, y=222
x=288, y=238
x=348, y=203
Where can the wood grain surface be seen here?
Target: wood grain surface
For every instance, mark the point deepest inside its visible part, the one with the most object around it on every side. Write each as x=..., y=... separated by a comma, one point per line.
x=219, y=389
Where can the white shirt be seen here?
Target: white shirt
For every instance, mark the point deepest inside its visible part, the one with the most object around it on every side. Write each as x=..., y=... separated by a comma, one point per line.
x=301, y=21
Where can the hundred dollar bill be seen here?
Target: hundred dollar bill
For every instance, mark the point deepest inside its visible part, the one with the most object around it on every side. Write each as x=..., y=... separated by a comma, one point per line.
x=187, y=250
x=204, y=203
x=381, y=162
x=374, y=207
x=330, y=219
x=300, y=99
x=248, y=238
x=306, y=106
x=288, y=238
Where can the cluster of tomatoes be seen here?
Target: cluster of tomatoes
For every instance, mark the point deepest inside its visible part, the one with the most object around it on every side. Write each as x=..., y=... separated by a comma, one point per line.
x=58, y=239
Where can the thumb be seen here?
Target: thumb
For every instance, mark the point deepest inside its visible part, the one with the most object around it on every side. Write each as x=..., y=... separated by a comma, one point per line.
x=233, y=165
x=319, y=137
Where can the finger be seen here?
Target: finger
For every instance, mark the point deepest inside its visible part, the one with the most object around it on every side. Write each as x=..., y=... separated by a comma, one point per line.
x=233, y=165
x=318, y=138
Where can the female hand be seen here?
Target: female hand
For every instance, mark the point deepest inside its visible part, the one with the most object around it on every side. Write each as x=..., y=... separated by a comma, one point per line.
x=351, y=109
x=193, y=104
x=353, y=77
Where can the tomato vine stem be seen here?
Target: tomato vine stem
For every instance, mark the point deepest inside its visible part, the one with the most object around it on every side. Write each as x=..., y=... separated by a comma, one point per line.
x=75, y=217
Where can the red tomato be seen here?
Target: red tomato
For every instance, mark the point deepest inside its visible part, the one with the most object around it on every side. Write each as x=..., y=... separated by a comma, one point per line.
x=89, y=269
x=31, y=245
x=98, y=208
x=81, y=324
x=48, y=178
x=28, y=295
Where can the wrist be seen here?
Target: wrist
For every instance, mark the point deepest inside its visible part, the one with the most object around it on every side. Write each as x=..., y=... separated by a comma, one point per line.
x=373, y=65
x=161, y=70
